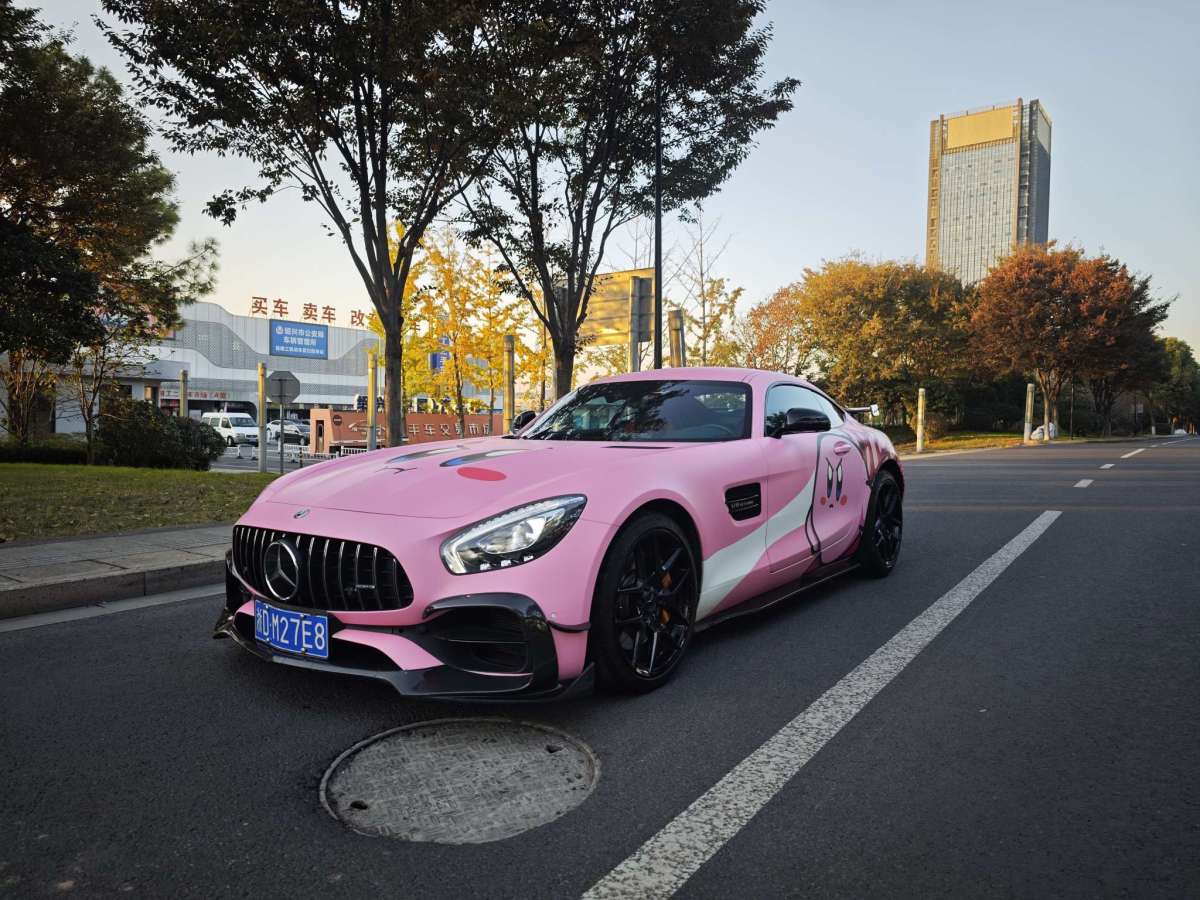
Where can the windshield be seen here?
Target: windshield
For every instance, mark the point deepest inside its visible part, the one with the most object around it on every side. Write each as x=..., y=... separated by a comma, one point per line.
x=241, y=421
x=648, y=411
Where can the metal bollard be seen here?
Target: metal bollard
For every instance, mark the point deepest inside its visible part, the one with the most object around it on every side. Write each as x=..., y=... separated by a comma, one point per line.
x=921, y=420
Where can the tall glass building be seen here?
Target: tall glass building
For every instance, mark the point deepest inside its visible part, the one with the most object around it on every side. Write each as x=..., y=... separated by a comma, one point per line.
x=989, y=186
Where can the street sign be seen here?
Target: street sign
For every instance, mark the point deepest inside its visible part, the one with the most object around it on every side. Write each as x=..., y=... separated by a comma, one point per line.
x=607, y=322
x=283, y=387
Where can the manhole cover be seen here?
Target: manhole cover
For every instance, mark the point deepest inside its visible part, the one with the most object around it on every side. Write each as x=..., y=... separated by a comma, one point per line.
x=459, y=781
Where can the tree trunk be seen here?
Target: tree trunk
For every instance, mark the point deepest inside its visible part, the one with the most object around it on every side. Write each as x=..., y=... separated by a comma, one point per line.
x=564, y=367
x=458, y=397
x=393, y=383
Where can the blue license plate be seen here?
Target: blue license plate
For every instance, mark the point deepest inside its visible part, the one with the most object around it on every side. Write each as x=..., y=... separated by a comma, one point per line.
x=293, y=632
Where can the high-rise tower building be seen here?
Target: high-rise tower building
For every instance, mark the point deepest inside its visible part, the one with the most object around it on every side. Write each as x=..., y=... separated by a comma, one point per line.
x=989, y=186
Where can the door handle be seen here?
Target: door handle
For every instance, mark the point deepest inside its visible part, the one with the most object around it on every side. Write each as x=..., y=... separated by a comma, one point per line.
x=841, y=448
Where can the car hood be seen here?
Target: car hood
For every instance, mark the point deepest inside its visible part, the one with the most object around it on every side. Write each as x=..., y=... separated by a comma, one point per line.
x=455, y=479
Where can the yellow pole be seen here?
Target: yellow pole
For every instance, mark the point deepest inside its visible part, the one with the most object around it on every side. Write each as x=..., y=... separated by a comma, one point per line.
x=262, y=417
x=372, y=388
x=510, y=383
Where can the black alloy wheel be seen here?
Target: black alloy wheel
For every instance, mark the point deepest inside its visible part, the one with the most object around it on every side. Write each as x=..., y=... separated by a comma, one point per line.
x=645, y=610
x=880, y=546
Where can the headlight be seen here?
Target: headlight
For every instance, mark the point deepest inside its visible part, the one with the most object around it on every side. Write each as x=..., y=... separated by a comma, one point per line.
x=513, y=537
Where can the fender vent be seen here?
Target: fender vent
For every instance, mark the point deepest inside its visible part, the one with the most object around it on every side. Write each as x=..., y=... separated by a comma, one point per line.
x=744, y=501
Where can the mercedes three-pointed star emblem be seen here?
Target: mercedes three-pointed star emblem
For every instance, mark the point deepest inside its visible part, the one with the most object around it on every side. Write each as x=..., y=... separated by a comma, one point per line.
x=281, y=563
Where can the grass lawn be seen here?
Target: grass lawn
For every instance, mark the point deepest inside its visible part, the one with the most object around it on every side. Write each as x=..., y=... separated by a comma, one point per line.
x=965, y=440
x=38, y=500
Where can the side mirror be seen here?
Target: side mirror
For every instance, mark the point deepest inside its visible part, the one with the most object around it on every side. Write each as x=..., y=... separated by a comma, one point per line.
x=802, y=421
x=520, y=420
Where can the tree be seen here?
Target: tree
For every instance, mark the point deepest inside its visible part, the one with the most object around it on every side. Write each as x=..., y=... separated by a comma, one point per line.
x=1119, y=351
x=873, y=330
x=378, y=111
x=710, y=307
x=1177, y=390
x=1028, y=320
x=83, y=201
x=47, y=297
x=1055, y=313
x=452, y=307
x=135, y=314
x=580, y=165
x=500, y=314
x=770, y=335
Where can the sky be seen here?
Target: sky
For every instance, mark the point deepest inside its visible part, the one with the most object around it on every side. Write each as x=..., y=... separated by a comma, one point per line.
x=846, y=171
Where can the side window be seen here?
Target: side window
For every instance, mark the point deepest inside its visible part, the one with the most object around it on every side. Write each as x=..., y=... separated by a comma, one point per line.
x=224, y=423
x=831, y=410
x=783, y=397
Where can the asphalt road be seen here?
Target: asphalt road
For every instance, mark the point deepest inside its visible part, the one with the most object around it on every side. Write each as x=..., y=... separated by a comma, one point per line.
x=232, y=462
x=1043, y=743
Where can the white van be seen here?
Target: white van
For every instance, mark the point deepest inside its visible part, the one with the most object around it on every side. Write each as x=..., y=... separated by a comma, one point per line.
x=236, y=428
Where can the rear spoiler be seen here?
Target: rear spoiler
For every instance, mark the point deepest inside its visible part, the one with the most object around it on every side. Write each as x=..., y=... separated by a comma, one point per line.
x=873, y=409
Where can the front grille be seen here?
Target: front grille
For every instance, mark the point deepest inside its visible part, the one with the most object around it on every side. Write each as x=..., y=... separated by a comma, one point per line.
x=334, y=574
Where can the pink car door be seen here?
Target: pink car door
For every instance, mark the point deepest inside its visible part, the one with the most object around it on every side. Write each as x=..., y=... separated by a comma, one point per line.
x=816, y=486
x=840, y=493
x=791, y=464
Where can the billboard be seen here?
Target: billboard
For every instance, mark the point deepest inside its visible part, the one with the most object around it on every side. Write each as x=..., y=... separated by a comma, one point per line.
x=980, y=128
x=607, y=322
x=301, y=340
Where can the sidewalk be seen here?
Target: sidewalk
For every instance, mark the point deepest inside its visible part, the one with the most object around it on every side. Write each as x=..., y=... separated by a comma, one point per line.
x=40, y=576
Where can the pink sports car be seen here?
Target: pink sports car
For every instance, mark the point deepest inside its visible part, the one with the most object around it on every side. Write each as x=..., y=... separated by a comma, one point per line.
x=590, y=545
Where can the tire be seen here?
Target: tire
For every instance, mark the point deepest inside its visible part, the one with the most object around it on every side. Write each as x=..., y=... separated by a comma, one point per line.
x=635, y=620
x=230, y=442
x=879, y=548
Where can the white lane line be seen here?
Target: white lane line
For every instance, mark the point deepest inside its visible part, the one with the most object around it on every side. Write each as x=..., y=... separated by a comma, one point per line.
x=1083, y=482
x=1133, y=453
x=1107, y=465
x=108, y=608
x=661, y=865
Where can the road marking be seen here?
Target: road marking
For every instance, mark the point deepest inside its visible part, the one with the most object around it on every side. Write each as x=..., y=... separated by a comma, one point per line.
x=107, y=609
x=1107, y=465
x=1083, y=482
x=1133, y=453
x=661, y=865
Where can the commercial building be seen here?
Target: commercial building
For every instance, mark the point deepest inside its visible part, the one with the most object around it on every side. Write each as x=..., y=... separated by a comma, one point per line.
x=221, y=351
x=989, y=186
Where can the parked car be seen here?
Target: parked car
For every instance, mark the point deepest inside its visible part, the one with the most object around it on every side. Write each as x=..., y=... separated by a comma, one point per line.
x=293, y=432
x=591, y=544
x=236, y=428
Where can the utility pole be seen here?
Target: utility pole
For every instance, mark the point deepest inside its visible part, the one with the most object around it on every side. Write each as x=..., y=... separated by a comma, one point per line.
x=183, y=380
x=658, y=317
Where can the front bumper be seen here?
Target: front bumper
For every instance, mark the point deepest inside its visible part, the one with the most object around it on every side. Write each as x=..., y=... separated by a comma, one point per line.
x=479, y=647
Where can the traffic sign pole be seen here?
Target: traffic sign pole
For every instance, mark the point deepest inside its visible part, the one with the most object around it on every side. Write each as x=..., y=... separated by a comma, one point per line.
x=285, y=388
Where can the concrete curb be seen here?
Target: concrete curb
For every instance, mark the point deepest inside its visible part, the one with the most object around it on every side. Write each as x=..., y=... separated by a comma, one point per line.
x=27, y=599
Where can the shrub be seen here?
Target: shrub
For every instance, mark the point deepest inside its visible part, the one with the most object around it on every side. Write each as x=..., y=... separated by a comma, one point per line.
x=136, y=433
x=900, y=434
x=59, y=449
